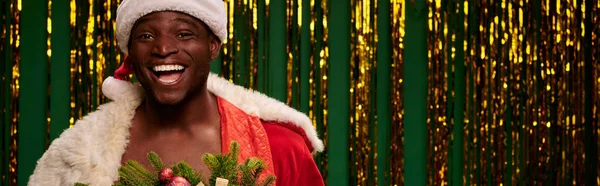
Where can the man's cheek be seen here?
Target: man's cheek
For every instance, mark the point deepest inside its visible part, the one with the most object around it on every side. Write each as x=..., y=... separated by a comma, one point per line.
x=140, y=74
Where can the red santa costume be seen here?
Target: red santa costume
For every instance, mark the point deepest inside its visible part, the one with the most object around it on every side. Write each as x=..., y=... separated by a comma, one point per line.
x=91, y=151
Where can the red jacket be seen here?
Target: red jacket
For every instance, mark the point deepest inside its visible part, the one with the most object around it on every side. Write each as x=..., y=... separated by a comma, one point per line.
x=284, y=147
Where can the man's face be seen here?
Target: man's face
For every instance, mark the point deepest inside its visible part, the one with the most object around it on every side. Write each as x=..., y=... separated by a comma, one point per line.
x=171, y=54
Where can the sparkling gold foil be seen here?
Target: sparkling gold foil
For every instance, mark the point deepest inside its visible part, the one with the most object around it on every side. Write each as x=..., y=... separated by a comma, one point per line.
x=397, y=130
x=94, y=53
x=290, y=50
x=323, y=66
x=514, y=57
x=49, y=54
x=230, y=44
x=317, y=77
x=361, y=61
x=531, y=63
x=73, y=54
x=13, y=35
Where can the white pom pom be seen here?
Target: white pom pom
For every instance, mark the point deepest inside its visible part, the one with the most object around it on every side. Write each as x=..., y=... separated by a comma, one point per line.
x=119, y=90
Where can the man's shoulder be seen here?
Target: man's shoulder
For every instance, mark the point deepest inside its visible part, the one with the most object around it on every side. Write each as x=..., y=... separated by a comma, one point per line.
x=94, y=144
x=267, y=109
x=91, y=126
x=93, y=129
x=287, y=136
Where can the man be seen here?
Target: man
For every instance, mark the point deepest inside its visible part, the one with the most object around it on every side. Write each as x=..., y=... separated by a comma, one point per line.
x=180, y=111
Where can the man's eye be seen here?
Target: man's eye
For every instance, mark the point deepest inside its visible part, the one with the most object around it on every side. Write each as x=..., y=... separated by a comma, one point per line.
x=145, y=36
x=181, y=35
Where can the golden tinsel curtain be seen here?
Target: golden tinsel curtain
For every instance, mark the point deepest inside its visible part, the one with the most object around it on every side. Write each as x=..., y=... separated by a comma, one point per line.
x=474, y=92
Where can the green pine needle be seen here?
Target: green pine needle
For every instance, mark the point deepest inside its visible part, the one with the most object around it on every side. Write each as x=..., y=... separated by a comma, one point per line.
x=125, y=176
x=142, y=172
x=156, y=162
x=269, y=180
x=246, y=172
x=118, y=184
x=234, y=151
x=222, y=165
x=210, y=161
x=186, y=171
x=259, y=169
x=131, y=176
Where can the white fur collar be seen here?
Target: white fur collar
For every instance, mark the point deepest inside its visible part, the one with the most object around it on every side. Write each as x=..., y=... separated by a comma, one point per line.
x=91, y=151
x=252, y=102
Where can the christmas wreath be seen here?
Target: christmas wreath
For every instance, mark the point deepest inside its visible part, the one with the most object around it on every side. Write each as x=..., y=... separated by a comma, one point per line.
x=225, y=171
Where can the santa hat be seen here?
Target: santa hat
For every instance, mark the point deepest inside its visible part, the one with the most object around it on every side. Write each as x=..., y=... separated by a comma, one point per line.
x=211, y=12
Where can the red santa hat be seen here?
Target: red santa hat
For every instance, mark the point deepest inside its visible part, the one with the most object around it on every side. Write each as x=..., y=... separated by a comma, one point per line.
x=211, y=12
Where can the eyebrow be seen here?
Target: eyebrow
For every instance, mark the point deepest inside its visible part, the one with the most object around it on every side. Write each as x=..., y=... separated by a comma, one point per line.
x=139, y=22
x=187, y=21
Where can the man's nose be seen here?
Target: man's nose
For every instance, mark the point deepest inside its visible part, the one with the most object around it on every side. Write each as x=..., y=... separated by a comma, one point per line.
x=164, y=47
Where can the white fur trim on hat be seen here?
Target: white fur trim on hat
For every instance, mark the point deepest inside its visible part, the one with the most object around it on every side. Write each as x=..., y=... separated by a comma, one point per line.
x=211, y=12
x=119, y=90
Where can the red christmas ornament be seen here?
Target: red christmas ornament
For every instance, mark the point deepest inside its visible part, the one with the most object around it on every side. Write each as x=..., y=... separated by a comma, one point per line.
x=165, y=175
x=178, y=181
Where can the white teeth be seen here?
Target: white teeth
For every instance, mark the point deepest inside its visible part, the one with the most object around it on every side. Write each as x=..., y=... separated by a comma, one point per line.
x=161, y=68
x=167, y=81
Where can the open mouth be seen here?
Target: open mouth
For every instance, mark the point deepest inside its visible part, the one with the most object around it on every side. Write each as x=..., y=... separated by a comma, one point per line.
x=168, y=74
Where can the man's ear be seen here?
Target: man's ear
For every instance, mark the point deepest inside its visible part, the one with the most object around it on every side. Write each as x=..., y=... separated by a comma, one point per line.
x=215, y=48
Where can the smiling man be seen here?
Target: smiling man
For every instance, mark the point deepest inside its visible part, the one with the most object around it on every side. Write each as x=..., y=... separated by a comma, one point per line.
x=179, y=109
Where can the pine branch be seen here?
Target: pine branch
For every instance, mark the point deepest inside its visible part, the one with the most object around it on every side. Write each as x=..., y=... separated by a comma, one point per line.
x=156, y=162
x=118, y=184
x=126, y=176
x=259, y=169
x=131, y=176
x=186, y=171
x=222, y=165
x=141, y=171
x=210, y=161
x=269, y=180
x=246, y=178
x=214, y=164
x=231, y=162
x=247, y=171
x=234, y=151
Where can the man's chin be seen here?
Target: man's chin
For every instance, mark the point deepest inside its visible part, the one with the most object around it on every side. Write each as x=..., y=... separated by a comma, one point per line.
x=168, y=99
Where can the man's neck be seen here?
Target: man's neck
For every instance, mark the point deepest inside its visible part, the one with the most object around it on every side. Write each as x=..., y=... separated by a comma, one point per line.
x=196, y=110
